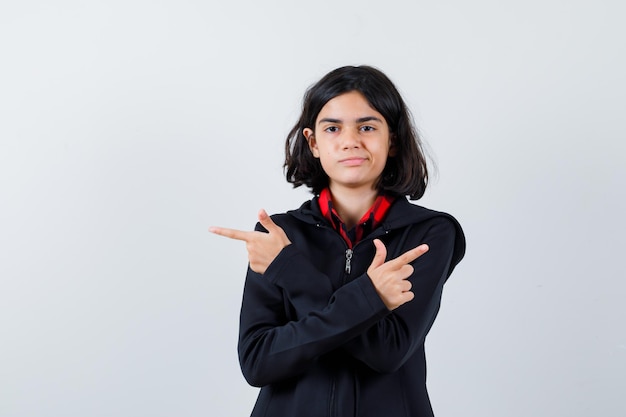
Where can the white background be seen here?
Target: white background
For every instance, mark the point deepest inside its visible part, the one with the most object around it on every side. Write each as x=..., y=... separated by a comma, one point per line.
x=129, y=127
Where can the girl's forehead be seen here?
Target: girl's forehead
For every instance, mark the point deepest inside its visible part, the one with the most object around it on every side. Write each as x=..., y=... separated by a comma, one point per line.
x=350, y=105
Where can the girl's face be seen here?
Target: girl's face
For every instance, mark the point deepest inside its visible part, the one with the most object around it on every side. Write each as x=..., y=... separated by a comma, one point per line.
x=352, y=141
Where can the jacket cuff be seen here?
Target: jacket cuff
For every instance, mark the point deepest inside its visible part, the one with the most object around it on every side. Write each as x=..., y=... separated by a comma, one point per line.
x=370, y=294
x=283, y=259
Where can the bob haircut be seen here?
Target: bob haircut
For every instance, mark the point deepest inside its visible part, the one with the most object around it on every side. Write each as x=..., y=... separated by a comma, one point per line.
x=405, y=173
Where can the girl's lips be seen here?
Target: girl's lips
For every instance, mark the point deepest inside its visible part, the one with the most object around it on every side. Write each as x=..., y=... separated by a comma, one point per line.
x=352, y=161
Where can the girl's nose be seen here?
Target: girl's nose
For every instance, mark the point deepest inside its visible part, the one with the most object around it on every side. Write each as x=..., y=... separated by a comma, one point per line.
x=350, y=139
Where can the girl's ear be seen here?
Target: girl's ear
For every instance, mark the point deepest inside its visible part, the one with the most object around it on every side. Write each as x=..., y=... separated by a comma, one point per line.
x=310, y=138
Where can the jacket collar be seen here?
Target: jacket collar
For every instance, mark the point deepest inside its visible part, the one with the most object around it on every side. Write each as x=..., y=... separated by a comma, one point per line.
x=402, y=213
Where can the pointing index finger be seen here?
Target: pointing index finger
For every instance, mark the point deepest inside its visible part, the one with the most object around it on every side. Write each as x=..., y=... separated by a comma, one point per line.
x=230, y=233
x=411, y=255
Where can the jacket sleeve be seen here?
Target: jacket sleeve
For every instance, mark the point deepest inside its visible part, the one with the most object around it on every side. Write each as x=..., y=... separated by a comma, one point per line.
x=391, y=341
x=274, y=346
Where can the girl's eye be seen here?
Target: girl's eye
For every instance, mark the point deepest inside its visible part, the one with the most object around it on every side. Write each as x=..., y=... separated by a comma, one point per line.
x=331, y=129
x=367, y=128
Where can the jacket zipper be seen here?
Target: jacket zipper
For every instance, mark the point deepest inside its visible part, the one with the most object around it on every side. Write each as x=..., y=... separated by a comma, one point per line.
x=349, y=252
x=348, y=261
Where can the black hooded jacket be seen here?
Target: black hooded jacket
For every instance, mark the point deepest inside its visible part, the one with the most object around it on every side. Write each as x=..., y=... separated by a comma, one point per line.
x=316, y=336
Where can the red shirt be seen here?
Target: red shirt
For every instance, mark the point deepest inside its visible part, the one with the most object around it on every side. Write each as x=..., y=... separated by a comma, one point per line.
x=370, y=220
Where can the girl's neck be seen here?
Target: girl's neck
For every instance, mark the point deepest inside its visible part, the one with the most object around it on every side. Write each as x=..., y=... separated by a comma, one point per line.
x=351, y=204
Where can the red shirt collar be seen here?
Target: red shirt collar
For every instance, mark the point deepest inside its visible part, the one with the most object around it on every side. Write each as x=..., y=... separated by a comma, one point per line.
x=370, y=220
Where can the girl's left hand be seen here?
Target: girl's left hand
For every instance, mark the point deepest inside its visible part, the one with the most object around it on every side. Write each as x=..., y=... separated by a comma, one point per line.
x=262, y=247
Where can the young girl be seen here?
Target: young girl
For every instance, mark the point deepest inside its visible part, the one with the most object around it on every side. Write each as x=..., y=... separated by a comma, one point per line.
x=341, y=293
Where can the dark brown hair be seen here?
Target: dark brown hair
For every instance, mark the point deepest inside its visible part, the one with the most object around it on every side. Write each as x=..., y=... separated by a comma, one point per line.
x=405, y=173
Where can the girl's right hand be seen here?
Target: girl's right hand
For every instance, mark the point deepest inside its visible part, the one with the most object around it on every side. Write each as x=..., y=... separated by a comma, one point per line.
x=390, y=278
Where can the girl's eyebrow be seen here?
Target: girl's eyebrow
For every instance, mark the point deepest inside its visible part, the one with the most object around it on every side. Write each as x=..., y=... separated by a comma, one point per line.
x=359, y=120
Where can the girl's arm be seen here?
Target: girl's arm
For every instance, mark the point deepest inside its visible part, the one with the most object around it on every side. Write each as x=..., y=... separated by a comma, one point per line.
x=273, y=347
x=394, y=337
x=275, y=344
x=391, y=341
x=290, y=316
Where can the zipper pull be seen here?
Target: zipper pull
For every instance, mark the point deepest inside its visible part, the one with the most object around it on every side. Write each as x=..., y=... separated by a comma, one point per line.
x=348, y=261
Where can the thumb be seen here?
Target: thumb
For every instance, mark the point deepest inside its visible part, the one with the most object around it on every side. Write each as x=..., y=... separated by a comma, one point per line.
x=381, y=254
x=267, y=222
